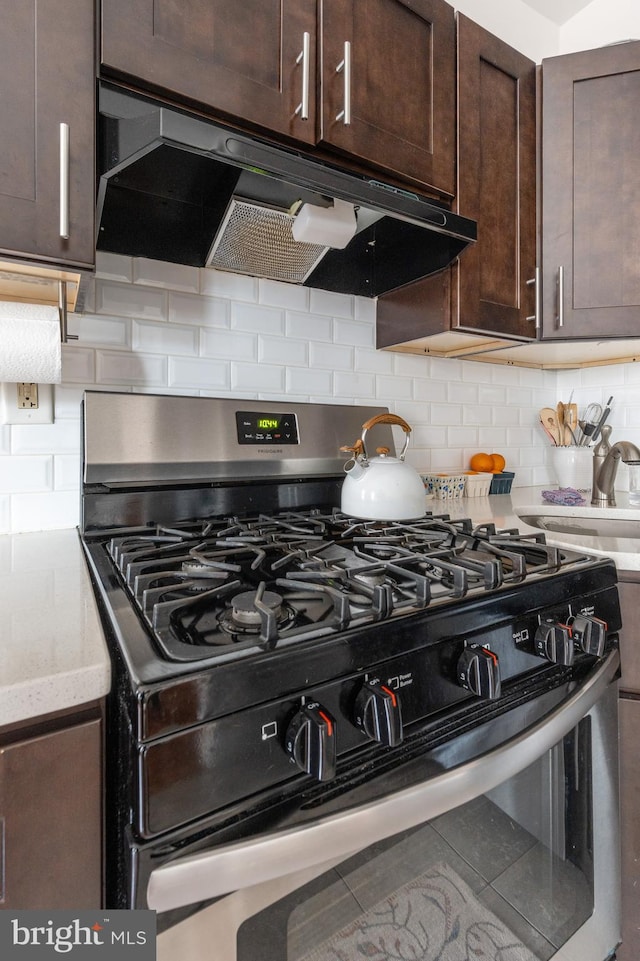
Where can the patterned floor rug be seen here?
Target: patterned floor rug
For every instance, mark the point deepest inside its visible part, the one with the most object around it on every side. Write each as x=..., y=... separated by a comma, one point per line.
x=436, y=917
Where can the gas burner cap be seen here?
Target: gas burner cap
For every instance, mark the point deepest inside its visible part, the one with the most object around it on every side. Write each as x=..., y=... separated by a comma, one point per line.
x=244, y=611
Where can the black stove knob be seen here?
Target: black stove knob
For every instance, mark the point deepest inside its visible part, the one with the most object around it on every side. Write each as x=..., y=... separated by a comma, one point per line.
x=378, y=712
x=590, y=634
x=554, y=642
x=479, y=671
x=311, y=741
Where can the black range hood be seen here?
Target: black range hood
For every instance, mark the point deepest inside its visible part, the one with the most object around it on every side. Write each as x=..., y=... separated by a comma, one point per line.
x=177, y=188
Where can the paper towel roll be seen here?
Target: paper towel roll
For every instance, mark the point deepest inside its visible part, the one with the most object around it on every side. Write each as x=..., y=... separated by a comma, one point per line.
x=30, y=349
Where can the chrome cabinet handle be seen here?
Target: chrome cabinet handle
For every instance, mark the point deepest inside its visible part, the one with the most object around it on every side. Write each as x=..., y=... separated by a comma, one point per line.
x=64, y=181
x=560, y=286
x=241, y=864
x=303, y=58
x=536, y=314
x=345, y=67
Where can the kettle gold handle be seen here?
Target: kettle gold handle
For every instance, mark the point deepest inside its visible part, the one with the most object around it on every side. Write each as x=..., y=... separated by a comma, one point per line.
x=387, y=419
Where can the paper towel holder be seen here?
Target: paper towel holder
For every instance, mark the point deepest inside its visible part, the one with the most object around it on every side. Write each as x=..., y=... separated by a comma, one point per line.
x=65, y=336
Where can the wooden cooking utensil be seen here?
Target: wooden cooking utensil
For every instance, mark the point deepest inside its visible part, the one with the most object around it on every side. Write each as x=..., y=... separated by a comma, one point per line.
x=549, y=420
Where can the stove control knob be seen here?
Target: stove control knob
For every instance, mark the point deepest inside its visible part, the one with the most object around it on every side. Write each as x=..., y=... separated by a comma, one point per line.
x=479, y=671
x=590, y=634
x=554, y=642
x=311, y=741
x=377, y=711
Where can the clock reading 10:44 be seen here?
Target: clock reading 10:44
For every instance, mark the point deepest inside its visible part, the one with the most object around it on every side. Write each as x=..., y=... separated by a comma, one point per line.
x=267, y=423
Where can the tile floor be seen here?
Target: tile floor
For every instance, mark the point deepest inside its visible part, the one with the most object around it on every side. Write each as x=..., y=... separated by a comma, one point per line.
x=540, y=897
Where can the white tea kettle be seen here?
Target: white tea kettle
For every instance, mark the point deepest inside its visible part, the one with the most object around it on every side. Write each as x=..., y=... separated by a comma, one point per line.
x=383, y=487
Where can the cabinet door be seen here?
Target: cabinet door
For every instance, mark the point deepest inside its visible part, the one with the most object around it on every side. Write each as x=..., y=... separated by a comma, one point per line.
x=50, y=819
x=242, y=59
x=47, y=78
x=486, y=291
x=591, y=193
x=630, y=827
x=395, y=106
x=496, y=184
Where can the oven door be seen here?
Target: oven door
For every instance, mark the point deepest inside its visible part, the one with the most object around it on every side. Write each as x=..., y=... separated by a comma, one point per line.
x=512, y=854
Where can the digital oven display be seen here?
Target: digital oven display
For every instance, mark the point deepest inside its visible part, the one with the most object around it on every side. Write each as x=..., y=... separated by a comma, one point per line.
x=266, y=428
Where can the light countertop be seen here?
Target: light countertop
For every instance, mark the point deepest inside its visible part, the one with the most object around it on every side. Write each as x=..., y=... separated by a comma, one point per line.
x=54, y=655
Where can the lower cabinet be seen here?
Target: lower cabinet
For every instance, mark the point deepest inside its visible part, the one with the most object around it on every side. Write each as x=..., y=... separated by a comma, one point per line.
x=51, y=813
x=630, y=826
x=629, y=590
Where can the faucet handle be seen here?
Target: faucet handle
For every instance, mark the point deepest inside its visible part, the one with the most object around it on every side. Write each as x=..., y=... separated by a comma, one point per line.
x=603, y=446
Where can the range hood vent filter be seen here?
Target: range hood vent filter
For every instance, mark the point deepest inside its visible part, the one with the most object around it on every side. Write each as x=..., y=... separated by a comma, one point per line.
x=259, y=241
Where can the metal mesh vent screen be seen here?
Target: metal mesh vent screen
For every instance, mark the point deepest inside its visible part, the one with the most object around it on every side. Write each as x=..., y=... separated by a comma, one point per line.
x=258, y=241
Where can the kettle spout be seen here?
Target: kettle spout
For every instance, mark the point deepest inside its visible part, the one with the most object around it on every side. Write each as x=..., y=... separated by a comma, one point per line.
x=355, y=468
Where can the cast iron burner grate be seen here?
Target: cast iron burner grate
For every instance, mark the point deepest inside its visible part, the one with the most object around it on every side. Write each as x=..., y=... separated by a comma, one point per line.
x=238, y=584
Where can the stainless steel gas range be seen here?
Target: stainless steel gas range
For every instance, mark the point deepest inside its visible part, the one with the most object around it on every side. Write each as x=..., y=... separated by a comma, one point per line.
x=294, y=688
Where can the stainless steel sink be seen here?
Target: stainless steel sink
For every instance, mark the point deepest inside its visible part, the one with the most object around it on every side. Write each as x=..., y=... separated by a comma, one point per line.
x=599, y=522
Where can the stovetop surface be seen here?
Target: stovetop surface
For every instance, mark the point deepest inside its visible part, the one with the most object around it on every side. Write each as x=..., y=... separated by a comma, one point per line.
x=223, y=587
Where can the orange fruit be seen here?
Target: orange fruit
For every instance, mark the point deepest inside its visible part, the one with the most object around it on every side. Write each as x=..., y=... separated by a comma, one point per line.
x=481, y=462
x=499, y=463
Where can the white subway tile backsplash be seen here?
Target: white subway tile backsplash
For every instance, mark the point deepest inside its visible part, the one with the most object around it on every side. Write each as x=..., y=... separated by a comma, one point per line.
x=125, y=300
x=221, y=283
x=466, y=394
x=261, y=377
x=166, y=328
x=446, y=414
x=155, y=273
x=5, y=513
x=310, y=327
x=114, y=267
x=331, y=356
x=393, y=388
x=301, y=380
x=375, y=361
x=285, y=351
x=101, y=331
x=78, y=365
x=447, y=369
x=18, y=473
x=478, y=416
x=462, y=437
x=364, y=309
x=199, y=374
x=329, y=303
x=40, y=512
x=428, y=390
x=60, y=437
x=492, y=440
x=261, y=320
x=229, y=344
x=476, y=372
x=207, y=311
x=66, y=472
x=135, y=369
x=353, y=334
x=273, y=293
x=163, y=338
x=357, y=385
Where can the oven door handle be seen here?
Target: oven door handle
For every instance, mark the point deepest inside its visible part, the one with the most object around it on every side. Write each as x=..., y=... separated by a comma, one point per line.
x=242, y=864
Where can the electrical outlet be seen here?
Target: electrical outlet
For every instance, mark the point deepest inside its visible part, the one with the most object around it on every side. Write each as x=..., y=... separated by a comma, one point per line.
x=26, y=403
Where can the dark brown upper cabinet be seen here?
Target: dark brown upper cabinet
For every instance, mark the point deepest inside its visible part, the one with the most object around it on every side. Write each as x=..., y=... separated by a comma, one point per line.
x=47, y=118
x=591, y=193
x=374, y=81
x=490, y=290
